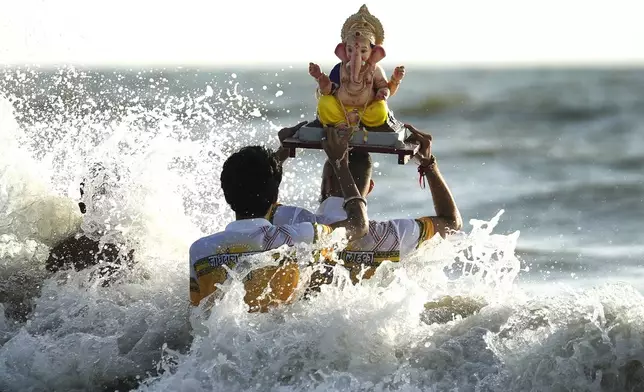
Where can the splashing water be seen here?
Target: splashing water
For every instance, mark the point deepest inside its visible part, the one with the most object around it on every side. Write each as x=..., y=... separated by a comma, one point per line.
x=449, y=317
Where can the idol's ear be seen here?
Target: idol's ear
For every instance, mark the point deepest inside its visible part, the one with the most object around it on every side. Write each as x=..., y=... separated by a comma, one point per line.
x=341, y=52
x=377, y=54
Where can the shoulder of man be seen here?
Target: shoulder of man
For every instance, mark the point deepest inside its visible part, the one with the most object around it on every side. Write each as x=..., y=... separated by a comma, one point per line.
x=203, y=246
x=281, y=215
x=307, y=232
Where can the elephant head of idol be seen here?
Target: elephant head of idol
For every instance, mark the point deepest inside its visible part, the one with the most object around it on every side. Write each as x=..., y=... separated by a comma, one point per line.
x=361, y=47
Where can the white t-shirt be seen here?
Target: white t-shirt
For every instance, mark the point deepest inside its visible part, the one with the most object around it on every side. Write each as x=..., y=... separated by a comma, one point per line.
x=241, y=238
x=386, y=240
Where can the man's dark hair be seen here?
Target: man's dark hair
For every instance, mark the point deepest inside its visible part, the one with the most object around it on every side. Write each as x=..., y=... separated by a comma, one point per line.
x=250, y=180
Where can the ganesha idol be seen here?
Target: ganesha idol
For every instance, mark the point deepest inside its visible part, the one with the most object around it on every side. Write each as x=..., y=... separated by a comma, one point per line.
x=356, y=91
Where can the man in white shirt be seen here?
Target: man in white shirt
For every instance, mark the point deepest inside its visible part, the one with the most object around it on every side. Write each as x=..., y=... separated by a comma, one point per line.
x=250, y=180
x=386, y=240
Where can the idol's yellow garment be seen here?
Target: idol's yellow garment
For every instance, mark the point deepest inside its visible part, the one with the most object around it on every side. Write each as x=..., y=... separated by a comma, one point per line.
x=330, y=112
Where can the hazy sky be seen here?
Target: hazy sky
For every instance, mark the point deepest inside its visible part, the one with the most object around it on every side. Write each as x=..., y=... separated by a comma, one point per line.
x=297, y=31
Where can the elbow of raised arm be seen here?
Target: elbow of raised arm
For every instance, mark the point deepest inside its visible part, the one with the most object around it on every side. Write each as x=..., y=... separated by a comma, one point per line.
x=456, y=223
x=356, y=227
x=360, y=229
x=363, y=229
x=358, y=222
x=450, y=223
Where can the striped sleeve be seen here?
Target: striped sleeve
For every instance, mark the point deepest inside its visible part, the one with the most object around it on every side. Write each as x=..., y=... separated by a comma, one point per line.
x=413, y=232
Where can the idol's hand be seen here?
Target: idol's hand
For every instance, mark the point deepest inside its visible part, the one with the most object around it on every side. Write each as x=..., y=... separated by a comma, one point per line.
x=382, y=94
x=314, y=70
x=399, y=73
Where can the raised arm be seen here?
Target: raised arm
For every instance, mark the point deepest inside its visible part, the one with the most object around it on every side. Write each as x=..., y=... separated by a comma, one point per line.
x=447, y=216
x=325, y=87
x=285, y=133
x=396, y=78
x=336, y=148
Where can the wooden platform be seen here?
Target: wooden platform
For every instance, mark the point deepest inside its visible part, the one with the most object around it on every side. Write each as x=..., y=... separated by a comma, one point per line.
x=404, y=153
